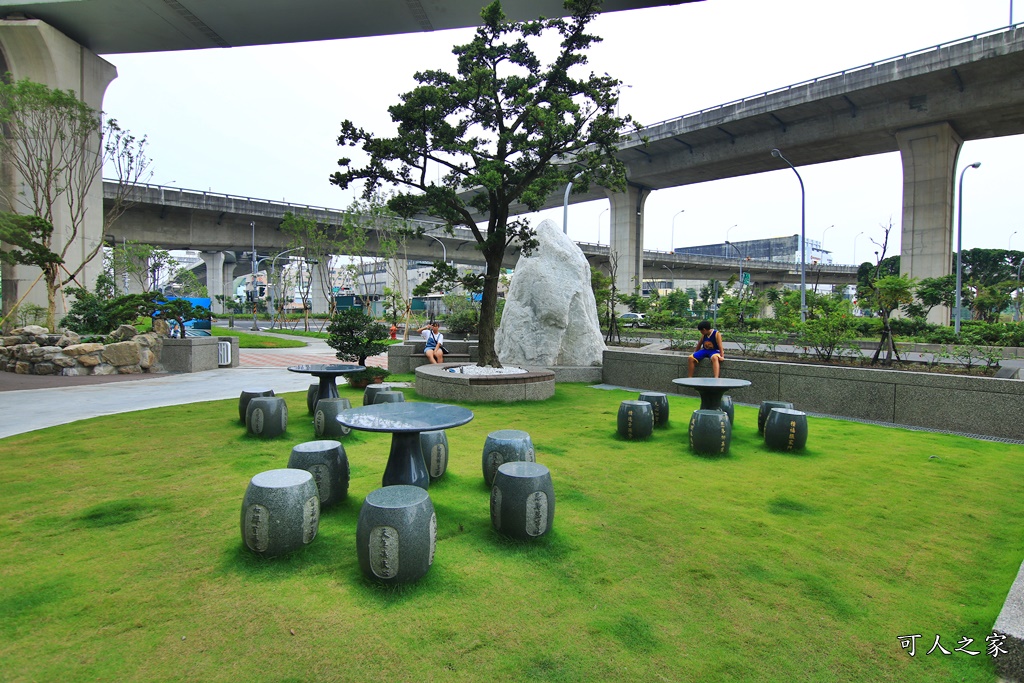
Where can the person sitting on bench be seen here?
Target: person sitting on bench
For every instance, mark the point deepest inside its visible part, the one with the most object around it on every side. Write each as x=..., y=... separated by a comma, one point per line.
x=709, y=346
x=434, y=350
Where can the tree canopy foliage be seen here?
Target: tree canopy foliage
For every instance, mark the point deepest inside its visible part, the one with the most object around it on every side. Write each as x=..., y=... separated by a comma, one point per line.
x=505, y=126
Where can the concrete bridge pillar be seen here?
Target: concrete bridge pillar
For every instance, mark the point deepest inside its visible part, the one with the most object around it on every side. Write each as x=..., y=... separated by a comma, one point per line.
x=626, y=237
x=214, y=261
x=929, y=155
x=317, y=296
x=30, y=48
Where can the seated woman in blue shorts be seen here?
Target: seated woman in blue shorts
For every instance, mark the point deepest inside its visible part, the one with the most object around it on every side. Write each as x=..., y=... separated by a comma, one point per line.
x=709, y=346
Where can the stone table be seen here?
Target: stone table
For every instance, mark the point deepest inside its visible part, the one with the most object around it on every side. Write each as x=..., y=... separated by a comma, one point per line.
x=327, y=375
x=405, y=422
x=711, y=389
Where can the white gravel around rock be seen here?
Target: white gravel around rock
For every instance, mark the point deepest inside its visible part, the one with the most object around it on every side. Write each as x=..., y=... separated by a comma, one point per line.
x=477, y=370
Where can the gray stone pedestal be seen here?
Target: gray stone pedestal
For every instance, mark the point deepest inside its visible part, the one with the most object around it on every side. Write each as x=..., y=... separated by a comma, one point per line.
x=396, y=534
x=728, y=408
x=635, y=420
x=371, y=391
x=659, y=406
x=765, y=409
x=267, y=416
x=312, y=393
x=248, y=395
x=522, y=500
x=506, y=445
x=710, y=432
x=280, y=512
x=389, y=397
x=435, y=452
x=325, y=418
x=327, y=462
x=785, y=430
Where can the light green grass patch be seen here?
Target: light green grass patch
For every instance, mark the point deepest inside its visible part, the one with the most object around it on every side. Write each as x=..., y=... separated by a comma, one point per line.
x=123, y=557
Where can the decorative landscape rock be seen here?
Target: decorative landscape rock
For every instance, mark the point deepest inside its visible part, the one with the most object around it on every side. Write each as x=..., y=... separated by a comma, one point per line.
x=248, y=395
x=32, y=350
x=280, y=512
x=325, y=418
x=659, y=406
x=266, y=416
x=550, y=315
x=785, y=430
x=506, y=445
x=327, y=462
x=765, y=409
x=389, y=397
x=635, y=420
x=435, y=452
x=522, y=500
x=710, y=432
x=396, y=534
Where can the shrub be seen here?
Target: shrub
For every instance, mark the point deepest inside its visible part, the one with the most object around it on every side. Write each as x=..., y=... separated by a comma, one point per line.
x=355, y=336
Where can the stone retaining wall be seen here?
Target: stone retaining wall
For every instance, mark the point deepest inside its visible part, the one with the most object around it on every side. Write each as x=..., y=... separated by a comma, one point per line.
x=975, y=405
x=32, y=350
x=408, y=356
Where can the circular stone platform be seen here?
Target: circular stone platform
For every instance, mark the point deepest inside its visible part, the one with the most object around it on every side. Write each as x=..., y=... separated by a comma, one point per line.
x=433, y=381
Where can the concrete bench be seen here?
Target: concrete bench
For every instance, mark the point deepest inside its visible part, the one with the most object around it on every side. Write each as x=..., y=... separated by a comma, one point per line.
x=406, y=357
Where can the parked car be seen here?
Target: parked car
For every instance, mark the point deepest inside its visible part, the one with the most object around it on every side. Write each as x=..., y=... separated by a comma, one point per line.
x=632, y=320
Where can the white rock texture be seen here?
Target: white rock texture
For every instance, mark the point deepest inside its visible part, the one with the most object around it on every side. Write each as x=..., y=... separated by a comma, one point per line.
x=550, y=315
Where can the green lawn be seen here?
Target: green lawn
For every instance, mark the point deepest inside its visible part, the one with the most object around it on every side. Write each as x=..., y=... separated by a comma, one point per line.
x=257, y=341
x=122, y=557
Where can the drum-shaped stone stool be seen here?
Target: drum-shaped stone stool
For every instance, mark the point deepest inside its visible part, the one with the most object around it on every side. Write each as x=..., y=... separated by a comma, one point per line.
x=371, y=391
x=388, y=397
x=659, y=406
x=327, y=462
x=396, y=534
x=267, y=416
x=311, y=395
x=522, y=500
x=325, y=417
x=435, y=452
x=635, y=420
x=280, y=512
x=248, y=395
x=710, y=432
x=785, y=430
x=765, y=409
x=728, y=408
x=506, y=445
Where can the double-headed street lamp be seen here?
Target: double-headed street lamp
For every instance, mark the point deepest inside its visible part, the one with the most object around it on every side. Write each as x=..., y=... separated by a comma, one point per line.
x=959, y=249
x=803, y=235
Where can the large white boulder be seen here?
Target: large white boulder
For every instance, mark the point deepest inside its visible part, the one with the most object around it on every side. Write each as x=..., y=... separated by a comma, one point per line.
x=550, y=315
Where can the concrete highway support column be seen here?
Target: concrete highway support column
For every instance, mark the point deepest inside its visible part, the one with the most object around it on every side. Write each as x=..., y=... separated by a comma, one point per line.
x=929, y=155
x=317, y=296
x=627, y=237
x=30, y=48
x=214, y=261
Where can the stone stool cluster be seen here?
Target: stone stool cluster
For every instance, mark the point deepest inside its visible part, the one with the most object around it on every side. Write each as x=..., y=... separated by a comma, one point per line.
x=637, y=419
x=522, y=493
x=785, y=429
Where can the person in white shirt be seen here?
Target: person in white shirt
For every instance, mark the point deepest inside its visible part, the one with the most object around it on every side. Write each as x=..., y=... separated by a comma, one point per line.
x=434, y=350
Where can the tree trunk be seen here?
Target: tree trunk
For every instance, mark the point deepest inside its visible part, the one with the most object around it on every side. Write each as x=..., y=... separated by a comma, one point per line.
x=488, y=311
x=50, y=276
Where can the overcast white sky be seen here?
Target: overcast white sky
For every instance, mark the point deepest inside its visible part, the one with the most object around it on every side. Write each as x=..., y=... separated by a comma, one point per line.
x=262, y=122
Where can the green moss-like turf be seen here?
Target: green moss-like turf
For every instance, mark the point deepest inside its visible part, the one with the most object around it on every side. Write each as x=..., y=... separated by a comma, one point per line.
x=122, y=556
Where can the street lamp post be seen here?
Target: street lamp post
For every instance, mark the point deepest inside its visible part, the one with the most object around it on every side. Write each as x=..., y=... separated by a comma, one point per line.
x=444, y=249
x=674, y=229
x=565, y=204
x=855, y=247
x=959, y=242
x=599, y=228
x=273, y=275
x=252, y=254
x=741, y=256
x=803, y=237
x=822, y=247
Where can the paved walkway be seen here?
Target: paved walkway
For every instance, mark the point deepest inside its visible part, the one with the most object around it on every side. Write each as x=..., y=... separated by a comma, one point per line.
x=30, y=402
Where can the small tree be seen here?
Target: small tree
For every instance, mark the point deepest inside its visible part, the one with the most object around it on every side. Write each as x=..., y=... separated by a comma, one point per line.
x=503, y=124
x=356, y=336
x=141, y=263
x=54, y=143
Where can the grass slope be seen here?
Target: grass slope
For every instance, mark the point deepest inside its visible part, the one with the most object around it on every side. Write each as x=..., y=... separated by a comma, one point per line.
x=122, y=557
